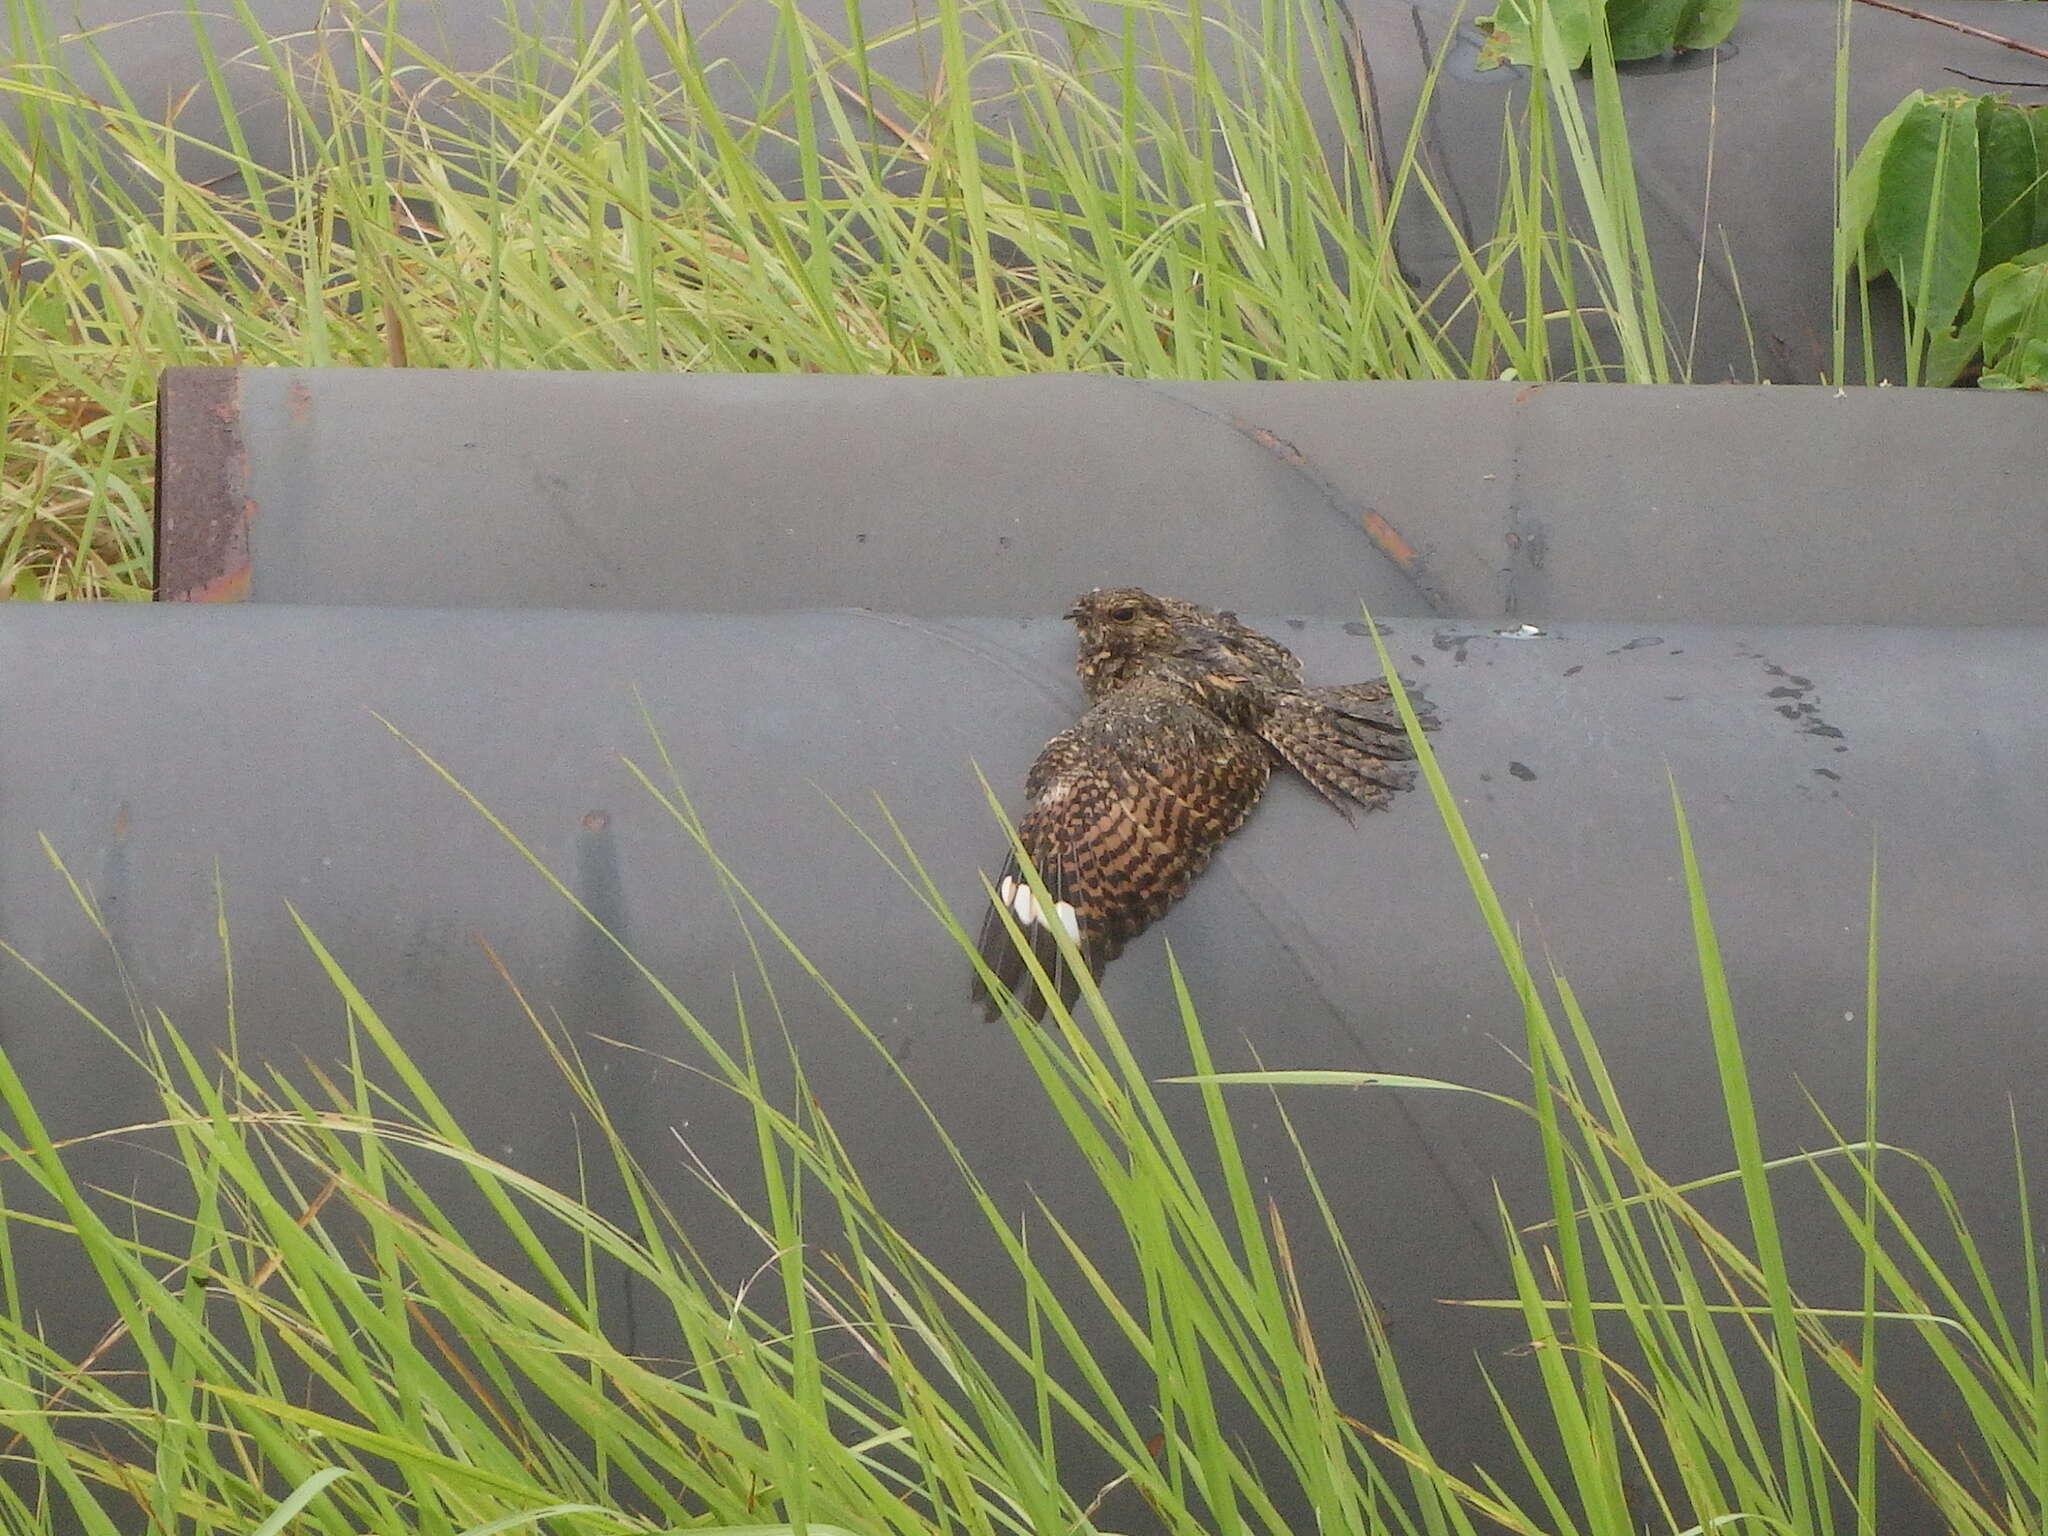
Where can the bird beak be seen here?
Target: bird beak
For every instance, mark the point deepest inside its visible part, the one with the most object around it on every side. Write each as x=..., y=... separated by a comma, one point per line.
x=1072, y=613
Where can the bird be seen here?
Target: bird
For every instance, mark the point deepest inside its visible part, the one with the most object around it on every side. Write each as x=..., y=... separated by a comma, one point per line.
x=1189, y=712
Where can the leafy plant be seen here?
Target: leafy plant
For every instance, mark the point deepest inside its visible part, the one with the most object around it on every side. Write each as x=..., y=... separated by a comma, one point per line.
x=2009, y=315
x=1948, y=188
x=1635, y=29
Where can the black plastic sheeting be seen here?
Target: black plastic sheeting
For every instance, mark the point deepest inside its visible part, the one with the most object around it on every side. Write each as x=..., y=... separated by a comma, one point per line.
x=1484, y=502
x=1763, y=104
x=244, y=735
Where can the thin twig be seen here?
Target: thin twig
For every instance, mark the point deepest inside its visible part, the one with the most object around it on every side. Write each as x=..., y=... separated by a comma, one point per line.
x=1968, y=31
x=2032, y=85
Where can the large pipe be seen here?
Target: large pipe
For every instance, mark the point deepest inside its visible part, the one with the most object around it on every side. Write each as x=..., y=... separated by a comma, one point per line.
x=1479, y=502
x=245, y=735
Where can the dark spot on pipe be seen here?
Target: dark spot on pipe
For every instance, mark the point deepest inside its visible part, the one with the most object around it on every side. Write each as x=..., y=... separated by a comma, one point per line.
x=1522, y=771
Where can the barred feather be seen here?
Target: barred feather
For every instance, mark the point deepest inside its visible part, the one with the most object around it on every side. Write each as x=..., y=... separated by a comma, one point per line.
x=1189, y=710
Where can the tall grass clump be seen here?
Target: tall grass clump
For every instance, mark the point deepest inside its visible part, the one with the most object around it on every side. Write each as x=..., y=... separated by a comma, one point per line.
x=304, y=1329
x=1164, y=190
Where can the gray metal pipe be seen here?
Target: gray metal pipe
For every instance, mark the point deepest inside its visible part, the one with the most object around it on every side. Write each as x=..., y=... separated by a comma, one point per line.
x=244, y=735
x=1480, y=502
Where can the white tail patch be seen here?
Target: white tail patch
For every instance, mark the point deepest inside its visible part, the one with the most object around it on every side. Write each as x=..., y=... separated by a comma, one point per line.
x=1025, y=905
x=1016, y=895
x=1069, y=920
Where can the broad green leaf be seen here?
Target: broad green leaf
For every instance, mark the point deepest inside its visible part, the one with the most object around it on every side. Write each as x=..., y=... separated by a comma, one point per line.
x=1948, y=354
x=2037, y=122
x=2011, y=311
x=1509, y=30
x=1644, y=29
x=1929, y=217
x=1859, y=191
x=1707, y=23
x=2029, y=370
x=2008, y=169
x=1506, y=33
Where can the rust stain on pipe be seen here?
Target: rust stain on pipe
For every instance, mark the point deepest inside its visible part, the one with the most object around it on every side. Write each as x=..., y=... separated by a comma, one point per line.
x=1388, y=537
x=203, y=507
x=1384, y=534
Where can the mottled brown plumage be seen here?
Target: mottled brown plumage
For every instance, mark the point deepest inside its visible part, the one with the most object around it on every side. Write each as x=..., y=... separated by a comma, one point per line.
x=1188, y=712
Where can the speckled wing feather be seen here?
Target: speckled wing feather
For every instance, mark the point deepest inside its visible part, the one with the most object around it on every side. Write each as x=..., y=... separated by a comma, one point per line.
x=1371, y=705
x=1223, y=635
x=1126, y=808
x=1347, y=741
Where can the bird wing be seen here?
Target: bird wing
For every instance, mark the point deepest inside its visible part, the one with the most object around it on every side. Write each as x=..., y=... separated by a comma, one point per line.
x=1261, y=651
x=1371, y=706
x=1221, y=633
x=1126, y=809
x=1347, y=741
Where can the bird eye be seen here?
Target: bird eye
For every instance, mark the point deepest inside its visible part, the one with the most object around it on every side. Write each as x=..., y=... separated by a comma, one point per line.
x=1122, y=615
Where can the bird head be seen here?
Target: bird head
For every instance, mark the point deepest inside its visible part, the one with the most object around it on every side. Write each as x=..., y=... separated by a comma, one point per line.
x=1119, y=629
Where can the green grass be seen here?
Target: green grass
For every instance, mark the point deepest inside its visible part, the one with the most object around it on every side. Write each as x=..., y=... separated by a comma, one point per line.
x=1680, y=1367
x=991, y=188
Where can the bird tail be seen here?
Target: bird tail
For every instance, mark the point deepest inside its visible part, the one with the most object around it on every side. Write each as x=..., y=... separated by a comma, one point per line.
x=1348, y=742
x=1004, y=955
